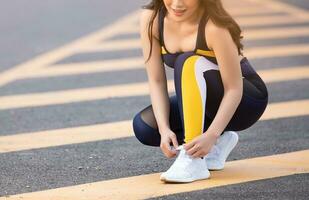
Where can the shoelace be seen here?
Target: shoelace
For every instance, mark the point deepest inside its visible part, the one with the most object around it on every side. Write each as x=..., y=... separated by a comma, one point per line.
x=182, y=160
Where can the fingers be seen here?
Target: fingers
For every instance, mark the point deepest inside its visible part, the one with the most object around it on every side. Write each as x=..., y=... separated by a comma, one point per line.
x=189, y=145
x=198, y=154
x=192, y=150
x=195, y=152
x=166, y=148
x=174, y=140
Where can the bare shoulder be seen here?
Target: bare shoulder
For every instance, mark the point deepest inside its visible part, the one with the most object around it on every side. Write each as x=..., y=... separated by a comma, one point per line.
x=214, y=33
x=145, y=18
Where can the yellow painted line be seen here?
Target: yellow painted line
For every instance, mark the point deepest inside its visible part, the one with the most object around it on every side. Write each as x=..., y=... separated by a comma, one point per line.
x=58, y=137
x=233, y=4
x=114, y=130
x=277, y=51
x=249, y=10
x=74, y=95
x=88, y=67
x=147, y=186
x=276, y=33
x=115, y=45
x=267, y=20
x=121, y=90
x=51, y=57
x=279, y=110
x=284, y=74
x=281, y=6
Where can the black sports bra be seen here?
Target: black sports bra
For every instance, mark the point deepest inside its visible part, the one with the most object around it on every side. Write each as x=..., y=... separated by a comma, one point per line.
x=201, y=47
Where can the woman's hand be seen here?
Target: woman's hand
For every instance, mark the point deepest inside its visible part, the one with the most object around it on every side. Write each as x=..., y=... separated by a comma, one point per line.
x=201, y=145
x=168, y=136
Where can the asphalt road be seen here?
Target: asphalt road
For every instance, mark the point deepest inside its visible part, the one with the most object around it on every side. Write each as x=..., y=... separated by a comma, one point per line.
x=48, y=57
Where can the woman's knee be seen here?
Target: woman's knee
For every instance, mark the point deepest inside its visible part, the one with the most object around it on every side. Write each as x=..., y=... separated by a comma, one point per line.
x=247, y=113
x=145, y=133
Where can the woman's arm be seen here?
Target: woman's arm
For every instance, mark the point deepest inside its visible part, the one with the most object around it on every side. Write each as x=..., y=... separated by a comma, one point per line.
x=157, y=84
x=226, y=53
x=155, y=72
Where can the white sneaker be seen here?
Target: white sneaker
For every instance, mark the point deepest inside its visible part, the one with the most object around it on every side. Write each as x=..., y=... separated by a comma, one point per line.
x=217, y=156
x=186, y=169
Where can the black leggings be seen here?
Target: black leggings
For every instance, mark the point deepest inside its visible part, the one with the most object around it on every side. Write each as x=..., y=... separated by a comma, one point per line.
x=188, y=70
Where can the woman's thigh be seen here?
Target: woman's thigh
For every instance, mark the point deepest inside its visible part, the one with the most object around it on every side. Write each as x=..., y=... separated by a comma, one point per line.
x=253, y=101
x=252, y=104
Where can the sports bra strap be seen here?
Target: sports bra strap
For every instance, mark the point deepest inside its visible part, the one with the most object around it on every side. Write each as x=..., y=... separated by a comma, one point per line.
x=160, y=19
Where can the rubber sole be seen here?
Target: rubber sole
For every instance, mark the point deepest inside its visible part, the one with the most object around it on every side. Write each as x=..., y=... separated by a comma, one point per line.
x=183, y=180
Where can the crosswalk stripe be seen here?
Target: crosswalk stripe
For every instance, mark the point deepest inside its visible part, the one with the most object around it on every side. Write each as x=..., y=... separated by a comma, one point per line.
x=276, y=33
x=249, y=10
x=267, y=20
x=146, y=186
x=277, y=51
x=111, y=65
x=114, y=130
x=123, y=90
x=281, y=6
x=266, y=33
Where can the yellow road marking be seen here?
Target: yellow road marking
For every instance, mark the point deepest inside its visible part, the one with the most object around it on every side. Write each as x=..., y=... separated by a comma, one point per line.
x=57, y=137
x=124, y=90
x=284, y=74
x=88, y=67
x=114, y=45
x=249, y=10
x=266, y=20
x=281, y=6
x=49, y=138
x=277, y=51
x=51, y=57
x=276, y=33
x=146, y=186
x=281, y=109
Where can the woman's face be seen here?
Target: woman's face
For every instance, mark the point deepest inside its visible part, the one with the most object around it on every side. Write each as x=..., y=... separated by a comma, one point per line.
x=181, y=10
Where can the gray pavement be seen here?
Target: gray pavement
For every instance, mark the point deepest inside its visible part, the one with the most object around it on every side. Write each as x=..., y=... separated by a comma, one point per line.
x=31, y=28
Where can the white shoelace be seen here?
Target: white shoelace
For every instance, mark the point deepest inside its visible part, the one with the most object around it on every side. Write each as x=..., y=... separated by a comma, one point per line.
x=185, y=159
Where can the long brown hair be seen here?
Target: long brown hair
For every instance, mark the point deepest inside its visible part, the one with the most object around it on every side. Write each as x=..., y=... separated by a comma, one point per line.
x=216, y=13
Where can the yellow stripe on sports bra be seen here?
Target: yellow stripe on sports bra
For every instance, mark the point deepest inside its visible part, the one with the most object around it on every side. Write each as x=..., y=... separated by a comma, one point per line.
x=206, y=53
x=163, y=51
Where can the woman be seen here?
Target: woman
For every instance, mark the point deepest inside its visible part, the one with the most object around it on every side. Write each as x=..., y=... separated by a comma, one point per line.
x=217, y=90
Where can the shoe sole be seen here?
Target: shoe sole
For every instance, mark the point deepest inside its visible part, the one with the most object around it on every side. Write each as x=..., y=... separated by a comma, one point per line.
x=183, y=180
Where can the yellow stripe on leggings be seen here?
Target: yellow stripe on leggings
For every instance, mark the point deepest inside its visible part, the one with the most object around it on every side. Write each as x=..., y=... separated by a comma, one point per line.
x=191, y=101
